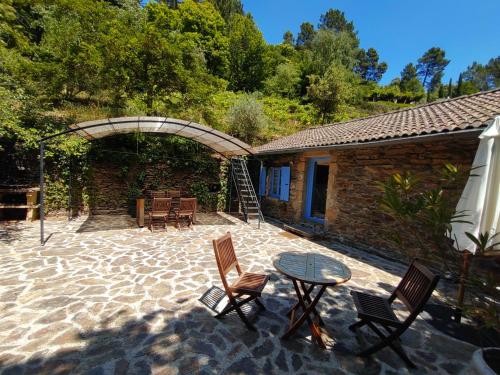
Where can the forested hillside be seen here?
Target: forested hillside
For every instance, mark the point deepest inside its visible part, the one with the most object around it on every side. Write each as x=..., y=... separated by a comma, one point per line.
x=64, y=61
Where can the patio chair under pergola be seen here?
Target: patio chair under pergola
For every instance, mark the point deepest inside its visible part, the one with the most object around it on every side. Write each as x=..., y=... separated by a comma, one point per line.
x=221, y=143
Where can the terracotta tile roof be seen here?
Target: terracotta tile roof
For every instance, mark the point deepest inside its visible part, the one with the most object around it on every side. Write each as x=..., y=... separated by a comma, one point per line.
x=464, y=112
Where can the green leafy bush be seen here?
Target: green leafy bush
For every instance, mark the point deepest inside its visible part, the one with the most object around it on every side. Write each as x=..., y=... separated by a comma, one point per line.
x=246, y=119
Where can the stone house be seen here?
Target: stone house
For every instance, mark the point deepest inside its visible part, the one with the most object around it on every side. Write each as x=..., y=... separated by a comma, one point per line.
x=327, y=175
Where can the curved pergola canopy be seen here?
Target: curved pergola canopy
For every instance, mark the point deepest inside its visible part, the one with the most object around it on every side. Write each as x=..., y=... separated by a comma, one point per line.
x=220, y=142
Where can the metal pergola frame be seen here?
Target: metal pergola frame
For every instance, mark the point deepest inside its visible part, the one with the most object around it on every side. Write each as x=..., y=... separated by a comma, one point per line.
x=81, y=128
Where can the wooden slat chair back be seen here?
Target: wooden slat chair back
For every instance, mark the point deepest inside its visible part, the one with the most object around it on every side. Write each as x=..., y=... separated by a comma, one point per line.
x=187, y=204
x=158, y=194
x=226, y=258
x=186, y=210
x=414, y=290
x=415, y=287
x=160, y=209
x=161, y=205
x=173, y=193
x=247, y=284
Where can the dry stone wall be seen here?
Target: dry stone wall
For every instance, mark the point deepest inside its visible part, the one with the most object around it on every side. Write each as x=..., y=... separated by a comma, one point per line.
x=109, y=188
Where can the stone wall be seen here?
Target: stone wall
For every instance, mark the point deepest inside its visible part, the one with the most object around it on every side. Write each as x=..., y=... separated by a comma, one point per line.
x=287, y=211
x=352, y=210
x=109, y=188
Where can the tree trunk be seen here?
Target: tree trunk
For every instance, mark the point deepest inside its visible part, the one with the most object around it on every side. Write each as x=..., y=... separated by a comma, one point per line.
x=461, y=287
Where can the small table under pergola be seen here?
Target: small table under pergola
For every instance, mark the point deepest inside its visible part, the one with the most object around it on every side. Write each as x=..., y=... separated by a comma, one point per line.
x=306, y=271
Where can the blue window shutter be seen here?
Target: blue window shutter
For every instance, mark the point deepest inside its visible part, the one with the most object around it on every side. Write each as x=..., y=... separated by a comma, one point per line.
x=285, y=184
x=262, y=182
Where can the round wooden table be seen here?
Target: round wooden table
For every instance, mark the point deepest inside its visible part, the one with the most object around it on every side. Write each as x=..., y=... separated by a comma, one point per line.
x=306, y=272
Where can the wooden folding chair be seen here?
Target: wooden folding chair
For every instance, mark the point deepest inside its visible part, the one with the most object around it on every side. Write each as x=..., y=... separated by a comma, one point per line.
x=159, y=209
x=414, y=291
x=158, y=194
x=247, y=284
x=176, y=196
x=186, y=211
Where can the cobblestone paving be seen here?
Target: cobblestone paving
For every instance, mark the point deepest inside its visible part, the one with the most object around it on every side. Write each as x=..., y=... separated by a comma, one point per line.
x=105, y=297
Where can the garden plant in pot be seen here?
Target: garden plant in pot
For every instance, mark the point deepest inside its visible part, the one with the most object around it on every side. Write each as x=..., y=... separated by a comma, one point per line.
x=428, y=215
x=484, y=299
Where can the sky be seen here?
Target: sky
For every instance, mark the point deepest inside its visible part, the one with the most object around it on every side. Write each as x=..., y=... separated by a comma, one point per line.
x=400, y=30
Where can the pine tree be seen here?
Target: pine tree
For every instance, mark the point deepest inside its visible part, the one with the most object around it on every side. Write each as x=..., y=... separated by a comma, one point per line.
x=431, y=63
x=288, y=38
x=459, y=85
x=305, y=35
x=450, y=87
x=441, y=91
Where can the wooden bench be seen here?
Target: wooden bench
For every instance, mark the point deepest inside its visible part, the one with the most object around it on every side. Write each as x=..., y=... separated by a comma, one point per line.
x=31, y=197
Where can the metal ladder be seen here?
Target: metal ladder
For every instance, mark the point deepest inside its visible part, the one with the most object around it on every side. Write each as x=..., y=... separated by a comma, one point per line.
x=249, y=202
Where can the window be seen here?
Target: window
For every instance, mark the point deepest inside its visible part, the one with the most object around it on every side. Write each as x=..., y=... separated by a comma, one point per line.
x=275, y=183
x=278, y=181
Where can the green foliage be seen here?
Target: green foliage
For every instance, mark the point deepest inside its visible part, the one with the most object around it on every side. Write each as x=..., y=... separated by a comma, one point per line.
x=56, y=195
x=205, y=198
x=368, y=66
x=480, y=77
x=228, y=8
x=412, y=207
x=432, y=63
x=409, y=80
x=328, y=48
x=246, y=54
x=247, y=119
x=286, y=81
x=484, y=242
x=331, y=91
x=288, y=38
x=306, y=35
x=334, y=20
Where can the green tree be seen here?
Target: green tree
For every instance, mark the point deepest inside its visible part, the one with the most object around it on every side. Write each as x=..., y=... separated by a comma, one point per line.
x=246, y=54
x=483, y=77
x=246, y=118
x=71, y=62
x=334, y=20
x=328, y=47
x=305, y=35
x=288, y=38
x=441, y=93
x=431, y=63
x=286, y=81
x=459, y=90
x=435, y=82
x=332, y=91
x=368, y=66
x=228, y=8
x=493, y=68
x=450, y=89
x=168, y=67
x=409, y=80
x=201, y=22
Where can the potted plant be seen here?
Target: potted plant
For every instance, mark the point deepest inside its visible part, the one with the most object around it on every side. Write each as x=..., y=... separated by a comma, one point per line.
x=415, y=208
x=485, y=361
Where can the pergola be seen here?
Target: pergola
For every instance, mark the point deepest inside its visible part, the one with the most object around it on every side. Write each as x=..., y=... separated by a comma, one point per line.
x=222, y=143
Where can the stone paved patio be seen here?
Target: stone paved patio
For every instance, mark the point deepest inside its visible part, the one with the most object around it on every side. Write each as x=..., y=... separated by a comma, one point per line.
x=105, y=297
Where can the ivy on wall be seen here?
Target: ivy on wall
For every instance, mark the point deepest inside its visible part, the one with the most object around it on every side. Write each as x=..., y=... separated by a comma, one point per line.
x=140, y=163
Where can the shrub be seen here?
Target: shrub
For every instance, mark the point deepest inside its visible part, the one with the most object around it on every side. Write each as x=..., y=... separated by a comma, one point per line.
x=246, y=119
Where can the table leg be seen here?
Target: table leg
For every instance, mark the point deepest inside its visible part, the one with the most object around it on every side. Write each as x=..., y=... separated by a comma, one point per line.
x=307, y=308
x=307, y=297
x=296, y=304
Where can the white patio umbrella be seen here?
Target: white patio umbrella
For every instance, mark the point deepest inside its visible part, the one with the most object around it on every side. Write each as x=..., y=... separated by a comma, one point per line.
x=480, y=199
